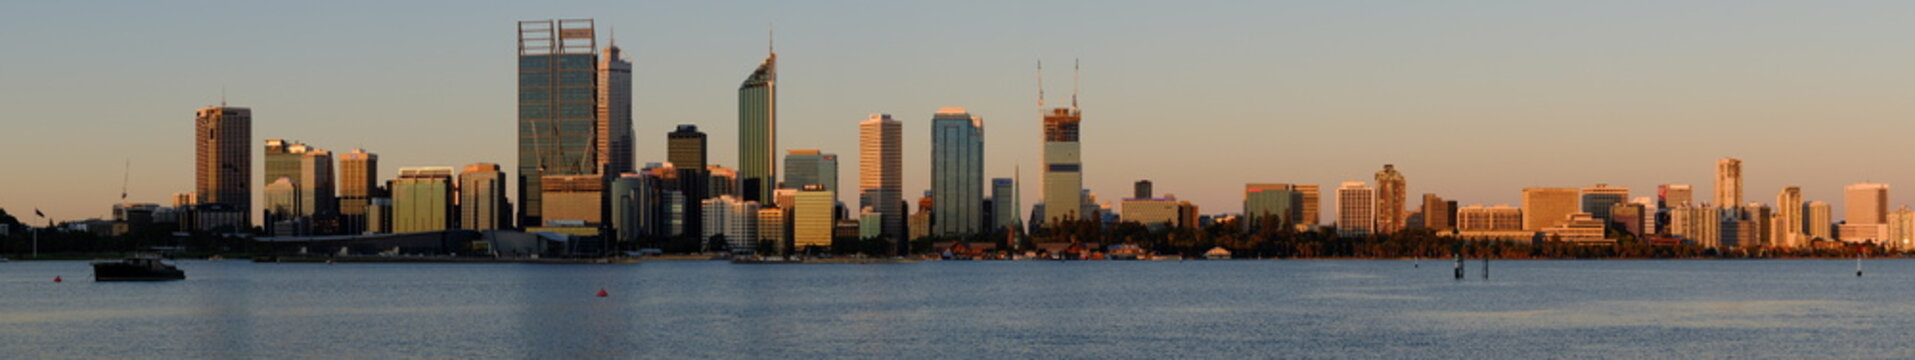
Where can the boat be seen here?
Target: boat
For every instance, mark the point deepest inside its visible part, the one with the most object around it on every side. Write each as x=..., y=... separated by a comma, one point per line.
x=137, y=268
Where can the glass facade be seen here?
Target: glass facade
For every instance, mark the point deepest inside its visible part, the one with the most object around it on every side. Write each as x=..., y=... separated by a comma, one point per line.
x=758, y=131
x=558, y=108
x=957, y=173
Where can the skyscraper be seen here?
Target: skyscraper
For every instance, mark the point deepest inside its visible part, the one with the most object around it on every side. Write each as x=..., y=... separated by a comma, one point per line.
x=1865, y=203
x=881, y=172
x=281, y=213
x=957, y=172
x=1788, y=218
x=222, y=163
x=615, y=138
x=812, y=217
x=358, y=180
x=317, y=189
x=1438, y=214
x=482, y=198
x=1356, y=209
x=685, y=149
x=558, y=108
x=1820, y=217
x=282, y=160
x=1598, y=200
x=1672, y=195
x=1547, y=207
x=1391, y=197
x=758, y=131
x=1004, y=205
x=811, y=167
x=1728, y=183
x=1312, y=203
x=1279, y=203
x=422, y=200
x=1063, y=165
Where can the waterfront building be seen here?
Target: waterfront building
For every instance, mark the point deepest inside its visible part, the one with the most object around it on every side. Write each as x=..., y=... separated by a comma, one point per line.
x=221, y=168
x=281, y=213
x=1157, y=213
x=1392, y=196
x=811, y=167
x=358, y=184
x=1865, y=203
x=686, y=150
x=1478, y=218
x=558, y=112
x=1599, y=199
x=573, y=200
x=1311, y=203
x=614, y=118
x=813, y=217
x=957, y=172
x=1262, y=202
x=422, y=200
x=379, y=215
x=1578, y=228
x=1699, y=225
x=1861, y=233
x=1728, y=183
x=1547, y=207
x=1005, y=214
x=482, y=204
x=634, y=207
x=1063, y=165
x=870, y=224
x=1788, y=230
x=1438, y=214
x=1652, y=215
x=758, y=131
x=282, y=161
x=317, y=190
x=881, y=173
x=1628, y=217
x=722, y=181
x=1901, y=230
x=1356, y=209
x=733, y=221
x=1819, y=220
x=772, y=228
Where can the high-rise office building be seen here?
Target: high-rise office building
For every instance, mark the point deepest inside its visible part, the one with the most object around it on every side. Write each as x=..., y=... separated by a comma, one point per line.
x=1547, y=207
x=881, y=172
x=1312, y=203
x=282, y=160
x=722, y=181
x=614, y=119
x=957, y=172
x=558, y=118
x=1699, y=225
x=1278, y=203
x=1063, y=165
x=734, y=221
x=1142, y=190
x=1865, y=203
x=222, y=165
x=1356, y=209
x=1671, y=195
x=635, y=204
x=317, y=191
x=1438, y=214
x=1819, y=219
x=1788, y=218
x=1391, y=197
x=758, y=131
x=685, y=149
x=1728, y=183
x=1901, y=230
x=1005, y=214
x=812, y=217
x=358, y=184
x=1480, y=218
x=1599, y=199
x=281, y=213
x=482, y=198
x=573, y=200
x=772, y=229
x=811, y=167
x=422, y=200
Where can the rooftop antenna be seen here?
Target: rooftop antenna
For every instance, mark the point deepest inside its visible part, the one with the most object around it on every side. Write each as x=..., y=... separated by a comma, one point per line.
x=126, y=176
x=1040, y=86
x=771, y=38
x=1074, y=70
x=222, y=96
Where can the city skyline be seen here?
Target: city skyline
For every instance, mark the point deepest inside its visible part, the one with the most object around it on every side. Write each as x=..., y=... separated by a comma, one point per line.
x=1133, y=96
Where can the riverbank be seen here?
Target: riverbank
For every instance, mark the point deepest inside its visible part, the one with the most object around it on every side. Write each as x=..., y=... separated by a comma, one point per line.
x=449, y=260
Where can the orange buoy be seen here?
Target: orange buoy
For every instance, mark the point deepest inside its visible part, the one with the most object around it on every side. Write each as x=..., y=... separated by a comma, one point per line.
x=56, y=278
x=602, y=293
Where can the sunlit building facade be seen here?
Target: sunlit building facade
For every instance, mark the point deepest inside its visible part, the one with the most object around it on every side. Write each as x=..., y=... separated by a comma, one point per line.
x=422, y=200
x=482, y=204
x=1547, y=207
x=1356, y=209
x=558, y=113
x=1391, y=198
x=881, y=172
x=758, y=131
x=957, y=172
x=358, y=184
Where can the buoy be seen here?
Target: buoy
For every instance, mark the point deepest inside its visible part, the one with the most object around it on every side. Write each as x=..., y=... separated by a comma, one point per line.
x=602, y=293
x=56, y=278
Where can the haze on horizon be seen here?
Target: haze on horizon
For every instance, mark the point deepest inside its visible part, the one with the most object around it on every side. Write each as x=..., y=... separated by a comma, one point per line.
x=1470, y=101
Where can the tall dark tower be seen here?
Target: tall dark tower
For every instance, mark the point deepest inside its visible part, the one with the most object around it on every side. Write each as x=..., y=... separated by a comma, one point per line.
x=558, y=108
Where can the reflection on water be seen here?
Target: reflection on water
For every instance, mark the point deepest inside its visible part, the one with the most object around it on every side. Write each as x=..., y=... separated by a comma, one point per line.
x=1210, y=309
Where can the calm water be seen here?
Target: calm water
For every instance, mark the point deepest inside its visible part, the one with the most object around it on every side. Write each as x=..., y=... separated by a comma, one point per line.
x=1202, y=309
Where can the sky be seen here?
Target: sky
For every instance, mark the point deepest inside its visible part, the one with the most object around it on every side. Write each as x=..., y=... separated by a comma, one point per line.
x=1471, y=100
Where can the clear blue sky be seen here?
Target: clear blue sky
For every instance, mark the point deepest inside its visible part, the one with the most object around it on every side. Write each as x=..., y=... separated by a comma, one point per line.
x=1471, y=100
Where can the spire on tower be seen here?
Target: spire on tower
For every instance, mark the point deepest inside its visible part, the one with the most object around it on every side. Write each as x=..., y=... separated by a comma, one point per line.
x=1040, y=86
x=1074, y=71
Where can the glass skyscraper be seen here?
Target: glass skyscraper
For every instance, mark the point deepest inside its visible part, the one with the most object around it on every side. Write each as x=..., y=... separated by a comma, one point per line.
x=222, y=163
x=881, y=174
x=957, y=172
x=558, y=107
x=758, y=132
